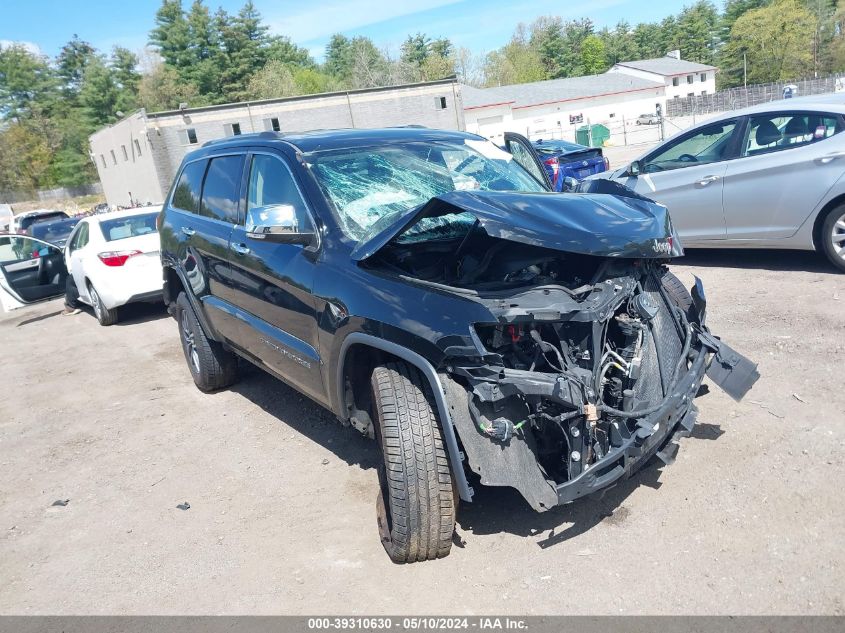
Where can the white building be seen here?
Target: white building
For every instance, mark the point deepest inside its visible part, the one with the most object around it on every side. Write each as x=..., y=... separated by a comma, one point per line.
x=557, y=107
x=681, y=78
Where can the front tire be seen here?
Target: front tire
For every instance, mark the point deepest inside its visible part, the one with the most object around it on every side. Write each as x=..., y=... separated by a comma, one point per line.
x=212, y=367
x=417, y=501
x=833, y=237
x=104, y=315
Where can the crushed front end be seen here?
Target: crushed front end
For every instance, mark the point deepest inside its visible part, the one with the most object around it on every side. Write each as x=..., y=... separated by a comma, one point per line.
x=579, y=387
x=590, y=352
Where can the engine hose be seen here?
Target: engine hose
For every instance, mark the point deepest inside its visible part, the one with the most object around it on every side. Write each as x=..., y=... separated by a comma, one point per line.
x=675, y=377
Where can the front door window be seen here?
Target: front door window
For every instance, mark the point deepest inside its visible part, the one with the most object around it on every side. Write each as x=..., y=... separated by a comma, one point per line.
x=709, y=145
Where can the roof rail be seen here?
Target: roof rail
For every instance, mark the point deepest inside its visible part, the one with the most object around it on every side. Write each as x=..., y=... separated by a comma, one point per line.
x=230, y=139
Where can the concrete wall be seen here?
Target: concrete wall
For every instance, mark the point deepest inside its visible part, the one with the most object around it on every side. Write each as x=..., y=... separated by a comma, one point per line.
x=164, y=140
x=126, y=163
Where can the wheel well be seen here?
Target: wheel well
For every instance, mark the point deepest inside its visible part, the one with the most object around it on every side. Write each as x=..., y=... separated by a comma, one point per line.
x=820, y=218
x=358, y=366
x=172, y=286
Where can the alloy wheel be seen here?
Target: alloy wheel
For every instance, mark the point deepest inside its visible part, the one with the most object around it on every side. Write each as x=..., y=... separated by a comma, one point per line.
x=837, y=237
x=190, y=343
x=98, y=308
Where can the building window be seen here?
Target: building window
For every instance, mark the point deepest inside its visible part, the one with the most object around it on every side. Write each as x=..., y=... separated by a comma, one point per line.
x=103, y=160
x=611, y=115
x=232, y=129
x=113, y=157
x=137, y=147
x=125, y=153
x=703, y=76
x=439, y=103
x=188, y=136
x=676, y=81
x=272, y=124
x=703, y=92
x=690, y=79
x=690, y=94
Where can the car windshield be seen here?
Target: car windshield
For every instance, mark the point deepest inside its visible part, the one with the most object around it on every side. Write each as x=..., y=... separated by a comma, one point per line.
x=369, y=185
x=130, y=226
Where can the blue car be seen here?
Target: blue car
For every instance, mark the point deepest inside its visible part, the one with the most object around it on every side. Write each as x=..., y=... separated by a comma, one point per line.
x=563, y=159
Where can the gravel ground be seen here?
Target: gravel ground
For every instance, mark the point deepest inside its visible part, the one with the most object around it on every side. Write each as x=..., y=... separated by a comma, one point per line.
x=282, y=499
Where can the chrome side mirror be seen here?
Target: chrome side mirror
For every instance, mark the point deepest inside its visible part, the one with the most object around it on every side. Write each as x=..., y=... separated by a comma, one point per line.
x=277, y=223
x=570, y=184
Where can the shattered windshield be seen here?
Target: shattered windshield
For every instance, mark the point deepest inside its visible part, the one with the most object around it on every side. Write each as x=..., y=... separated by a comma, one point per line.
x=366, y=185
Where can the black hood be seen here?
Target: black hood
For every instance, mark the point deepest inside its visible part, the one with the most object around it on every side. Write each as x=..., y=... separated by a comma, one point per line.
x=583, y=223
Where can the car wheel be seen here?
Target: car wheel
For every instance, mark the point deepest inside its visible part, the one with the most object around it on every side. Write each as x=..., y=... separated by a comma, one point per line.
x=833, y=237
x=417, y=501
x=677, y=291
x=212, y=367
x=104, y=315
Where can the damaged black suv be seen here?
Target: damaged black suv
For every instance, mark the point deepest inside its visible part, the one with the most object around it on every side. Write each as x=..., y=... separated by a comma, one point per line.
x=427, y=288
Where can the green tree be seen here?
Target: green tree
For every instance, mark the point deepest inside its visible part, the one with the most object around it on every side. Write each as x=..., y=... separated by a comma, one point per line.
x=620, y=44
x=415, y=49
x=697, y=27
x=593, y=55
x=203, y=51
x=124, y=66
x=282, y=49
x=518, y=61
x=170, y=35
x=71, y=63
x=245, y=42
x=777, y=41
x=25, y=156
x=163, y=89
x=27, y=83
x=98, y=94
x=339, y=57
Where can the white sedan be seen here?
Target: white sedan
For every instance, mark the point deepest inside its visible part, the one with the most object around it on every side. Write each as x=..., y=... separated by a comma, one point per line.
x=114, y=260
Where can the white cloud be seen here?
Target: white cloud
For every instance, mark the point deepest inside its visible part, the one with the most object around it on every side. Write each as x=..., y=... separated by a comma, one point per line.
x=30, y=46
x=338, y=16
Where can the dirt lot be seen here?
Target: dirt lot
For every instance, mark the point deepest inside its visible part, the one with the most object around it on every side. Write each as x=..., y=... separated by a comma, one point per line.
x=282, y=517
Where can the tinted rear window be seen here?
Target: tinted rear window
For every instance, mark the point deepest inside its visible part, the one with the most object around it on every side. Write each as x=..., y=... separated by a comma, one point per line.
x=53, y=231
x=220, y=192
x=47, y=217
x=131, y=226
x=186, y=196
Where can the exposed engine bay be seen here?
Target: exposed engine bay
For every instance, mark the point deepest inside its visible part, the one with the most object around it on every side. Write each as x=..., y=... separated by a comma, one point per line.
x=591, y=352
x=589, y=365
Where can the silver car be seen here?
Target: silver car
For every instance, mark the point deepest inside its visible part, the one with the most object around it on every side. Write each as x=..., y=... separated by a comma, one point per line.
x=770, y=176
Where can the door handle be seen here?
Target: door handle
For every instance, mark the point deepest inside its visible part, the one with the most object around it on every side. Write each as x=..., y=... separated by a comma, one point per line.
x=829, y=158
x=707, y=180
x=188, y=231
x=240, y=249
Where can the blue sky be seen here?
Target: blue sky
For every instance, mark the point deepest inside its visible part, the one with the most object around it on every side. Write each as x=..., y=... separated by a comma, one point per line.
x=479, y=26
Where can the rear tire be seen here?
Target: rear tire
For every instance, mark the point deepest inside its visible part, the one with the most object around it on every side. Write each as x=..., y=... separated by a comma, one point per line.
x=833, y=237
x=104, y=315
x=212, y=367
x=417, y=501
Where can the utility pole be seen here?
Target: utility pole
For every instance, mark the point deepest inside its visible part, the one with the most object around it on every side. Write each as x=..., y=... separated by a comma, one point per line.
x=745, y=75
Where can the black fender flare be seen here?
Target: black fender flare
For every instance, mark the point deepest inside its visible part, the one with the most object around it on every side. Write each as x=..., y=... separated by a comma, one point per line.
x=464, y=489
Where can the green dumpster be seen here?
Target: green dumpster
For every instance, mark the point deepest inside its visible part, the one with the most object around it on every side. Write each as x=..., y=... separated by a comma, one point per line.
x=592, y=135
